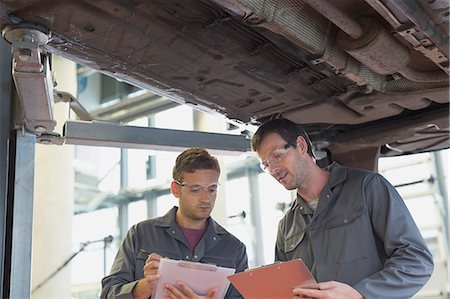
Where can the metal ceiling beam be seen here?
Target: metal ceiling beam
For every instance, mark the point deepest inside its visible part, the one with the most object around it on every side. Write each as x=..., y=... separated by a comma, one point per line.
x=116, y=135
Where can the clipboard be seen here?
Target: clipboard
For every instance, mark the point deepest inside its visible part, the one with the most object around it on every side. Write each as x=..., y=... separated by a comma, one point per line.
x=199, y=277
x=274, y=281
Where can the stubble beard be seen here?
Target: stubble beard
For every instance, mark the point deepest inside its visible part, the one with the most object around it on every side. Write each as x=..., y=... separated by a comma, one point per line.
x=302, y=177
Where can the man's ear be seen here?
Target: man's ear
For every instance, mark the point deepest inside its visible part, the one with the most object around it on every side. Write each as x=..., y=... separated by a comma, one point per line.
x=175, y=189
x=302, y=144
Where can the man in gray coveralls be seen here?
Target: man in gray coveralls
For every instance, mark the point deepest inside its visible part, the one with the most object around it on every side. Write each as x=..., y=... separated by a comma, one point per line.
x=186, y=232
x=350, y=226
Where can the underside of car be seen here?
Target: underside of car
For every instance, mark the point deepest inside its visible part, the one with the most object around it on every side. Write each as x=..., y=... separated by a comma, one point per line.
x=365, y=78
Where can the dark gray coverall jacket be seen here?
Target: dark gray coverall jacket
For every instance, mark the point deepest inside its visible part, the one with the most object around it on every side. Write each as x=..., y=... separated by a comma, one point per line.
x=162, y=235
x=361, y=234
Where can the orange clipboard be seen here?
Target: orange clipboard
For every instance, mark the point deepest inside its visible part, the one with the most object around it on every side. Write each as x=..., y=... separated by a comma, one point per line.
x=274, y=281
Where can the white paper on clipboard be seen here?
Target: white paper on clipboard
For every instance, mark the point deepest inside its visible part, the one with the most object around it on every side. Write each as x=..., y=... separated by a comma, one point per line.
x=198, y=276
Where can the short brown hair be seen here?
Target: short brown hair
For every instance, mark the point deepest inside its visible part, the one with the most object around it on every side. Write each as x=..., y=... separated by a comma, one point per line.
x=287, y=129
x=193, y=159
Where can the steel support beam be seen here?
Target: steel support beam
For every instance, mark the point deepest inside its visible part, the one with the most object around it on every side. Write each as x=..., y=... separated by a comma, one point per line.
x=115, y=135
x=442, y=190
x=5, y=130
x=20, y=215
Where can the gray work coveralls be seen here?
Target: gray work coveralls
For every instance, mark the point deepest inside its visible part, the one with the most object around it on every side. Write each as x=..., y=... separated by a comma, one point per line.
x=162, y=235
x=361, y=234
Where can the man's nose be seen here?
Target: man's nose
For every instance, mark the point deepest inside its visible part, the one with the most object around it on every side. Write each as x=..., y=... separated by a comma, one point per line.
x=273, y=168
x=206, y=195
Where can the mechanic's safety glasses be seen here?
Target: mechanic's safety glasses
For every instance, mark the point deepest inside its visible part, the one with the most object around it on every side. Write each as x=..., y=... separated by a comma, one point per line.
x=196, y=189
x=276, y=156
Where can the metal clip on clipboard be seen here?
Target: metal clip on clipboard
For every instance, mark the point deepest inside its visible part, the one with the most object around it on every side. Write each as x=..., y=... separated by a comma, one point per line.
x=198, y=266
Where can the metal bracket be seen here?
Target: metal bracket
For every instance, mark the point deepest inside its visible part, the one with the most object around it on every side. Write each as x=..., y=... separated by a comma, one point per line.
x=35, y=84
x=32, y=76
x=80, y=111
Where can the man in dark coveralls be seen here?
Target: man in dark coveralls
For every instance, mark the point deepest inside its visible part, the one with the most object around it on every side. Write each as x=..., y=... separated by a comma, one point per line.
x=350, y=226
x=186, y=232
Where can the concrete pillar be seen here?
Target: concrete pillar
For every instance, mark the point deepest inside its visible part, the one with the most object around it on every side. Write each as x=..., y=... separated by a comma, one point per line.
x=54, y=200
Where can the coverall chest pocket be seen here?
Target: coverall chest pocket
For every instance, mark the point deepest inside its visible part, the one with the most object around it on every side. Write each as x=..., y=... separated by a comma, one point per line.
x=292, y=241
x=350, y=236
x=141, y=257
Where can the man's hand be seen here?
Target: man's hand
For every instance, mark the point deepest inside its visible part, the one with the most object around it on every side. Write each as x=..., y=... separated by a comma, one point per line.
x=183, y=291
x=144, y=288
x=328, y=290
x=151, y=264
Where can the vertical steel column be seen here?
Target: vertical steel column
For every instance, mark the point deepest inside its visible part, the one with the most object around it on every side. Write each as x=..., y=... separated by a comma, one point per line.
x=123, y=206
x=442, y=185
x=151, y=198
x=5, y=129
x=20, y=214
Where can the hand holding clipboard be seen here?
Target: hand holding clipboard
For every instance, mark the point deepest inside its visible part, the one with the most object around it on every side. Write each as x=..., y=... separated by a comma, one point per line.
x=198, y=276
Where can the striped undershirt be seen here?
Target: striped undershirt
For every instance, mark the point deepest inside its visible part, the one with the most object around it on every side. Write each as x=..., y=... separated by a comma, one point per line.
x=312, y=204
